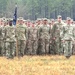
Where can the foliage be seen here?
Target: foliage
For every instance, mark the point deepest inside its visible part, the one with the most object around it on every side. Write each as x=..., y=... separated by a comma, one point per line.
x=32, y=9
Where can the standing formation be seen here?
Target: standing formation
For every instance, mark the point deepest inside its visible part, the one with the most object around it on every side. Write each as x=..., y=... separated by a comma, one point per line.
x=41, y=37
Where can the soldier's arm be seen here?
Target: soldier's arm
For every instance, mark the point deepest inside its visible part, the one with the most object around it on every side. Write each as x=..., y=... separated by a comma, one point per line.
x=39, y=31
x=26, y=33
x=3, y=33
x=53, y=33
x=63, y=33
x=6, y=34
x=50, y=35
x=73, y=34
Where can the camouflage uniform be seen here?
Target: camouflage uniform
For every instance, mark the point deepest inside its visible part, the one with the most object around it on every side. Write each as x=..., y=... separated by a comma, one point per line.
x=73, y=50
x=32, y=43
x=44, y=35
x=4, y=40
x=68, y=39
x=39, y=37
x=57, y=34
x=10, y=41
x=1, y=40
x=21, y=33
x=52, y=43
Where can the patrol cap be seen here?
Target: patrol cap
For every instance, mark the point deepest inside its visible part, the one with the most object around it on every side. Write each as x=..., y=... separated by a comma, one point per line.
x=10, y=19
x=20, y=18
x=45, y=19
x=68, y=18
x=52, y=19
x=33, y=22
x=38, y=19
x=4, y=18
x=59, y=16
x=25, y=20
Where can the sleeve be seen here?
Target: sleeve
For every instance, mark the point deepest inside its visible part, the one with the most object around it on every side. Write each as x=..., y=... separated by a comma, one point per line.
x=26, y=32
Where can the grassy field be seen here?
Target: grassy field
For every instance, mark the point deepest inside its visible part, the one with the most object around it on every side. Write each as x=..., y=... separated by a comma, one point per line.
x=38, y=65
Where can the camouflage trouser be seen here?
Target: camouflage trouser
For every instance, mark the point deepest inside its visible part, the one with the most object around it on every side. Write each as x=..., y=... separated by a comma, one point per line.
x=39, y=46
x=73, y=50
x=59, y=46
x=4, y=48
x=10, y=49
x=32, y=46
x=44, y=46
x=68, y=48
x=21, y=47
x=1, y=47
x=53, y=47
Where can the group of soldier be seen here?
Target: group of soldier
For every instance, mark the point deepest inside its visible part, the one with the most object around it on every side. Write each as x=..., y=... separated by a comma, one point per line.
x=41, y=37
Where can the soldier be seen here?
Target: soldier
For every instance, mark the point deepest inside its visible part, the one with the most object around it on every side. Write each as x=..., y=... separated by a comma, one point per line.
x=44, y=34
x=68, y=38
x=21, y=36
x=49, y=22
x=4, y=37
x=10, y=40
x=57, y=35
x=25, y=22
x=32, y=43
x=73, y=50
x=52, y=23
x=1, y=40
x=28, y=23
x=72, y=22
x=52, y=42
x=38, y=25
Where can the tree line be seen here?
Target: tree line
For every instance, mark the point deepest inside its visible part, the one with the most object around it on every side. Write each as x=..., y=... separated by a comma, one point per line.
x=33, y=9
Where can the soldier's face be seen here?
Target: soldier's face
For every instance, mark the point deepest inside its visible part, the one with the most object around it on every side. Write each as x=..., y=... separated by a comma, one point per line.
x=28, y=24
x=20, y=22
x=45, y=21
x=17, y=22
x=39, y=22
x=1, y=22
x=72, y=22
x=52, y=22
x=25, y=23
x=33, y=24
x=59, y=19
x=69, y=22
